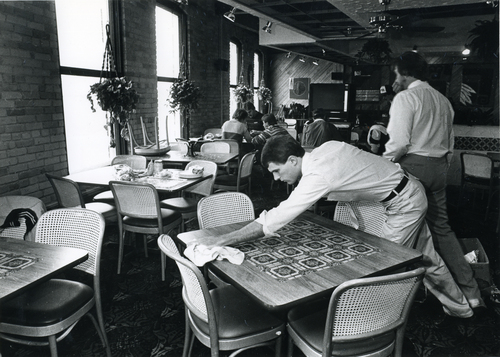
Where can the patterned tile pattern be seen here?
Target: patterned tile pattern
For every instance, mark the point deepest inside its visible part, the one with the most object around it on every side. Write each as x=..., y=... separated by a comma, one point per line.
x=477, y=144
x=12, y=262
x=303, y=248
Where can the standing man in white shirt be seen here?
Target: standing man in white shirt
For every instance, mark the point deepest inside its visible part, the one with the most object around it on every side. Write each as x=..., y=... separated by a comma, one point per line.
x=421, y=140
x=342, y=172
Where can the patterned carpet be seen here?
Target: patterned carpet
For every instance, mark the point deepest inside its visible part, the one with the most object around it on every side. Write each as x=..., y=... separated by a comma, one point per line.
x=145, y=316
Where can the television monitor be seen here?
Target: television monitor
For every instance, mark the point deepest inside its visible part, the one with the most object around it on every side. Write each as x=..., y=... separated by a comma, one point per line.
x=329, y=96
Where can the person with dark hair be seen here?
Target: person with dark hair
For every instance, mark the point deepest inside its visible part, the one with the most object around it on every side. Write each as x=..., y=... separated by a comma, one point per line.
x=319, y=131
x=421, y=140
x=254, y=117
x=342, y=172
x=236, y=128
x=271, y=128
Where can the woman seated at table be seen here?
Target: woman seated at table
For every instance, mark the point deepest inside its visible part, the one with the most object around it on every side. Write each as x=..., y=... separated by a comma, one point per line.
x=236, y=128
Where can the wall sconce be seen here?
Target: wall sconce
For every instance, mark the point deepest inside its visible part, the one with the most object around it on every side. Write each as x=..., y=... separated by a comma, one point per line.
x=315, y=62
x=466, y=50
x=230, y=15
x=267, y=28
x=302, y=59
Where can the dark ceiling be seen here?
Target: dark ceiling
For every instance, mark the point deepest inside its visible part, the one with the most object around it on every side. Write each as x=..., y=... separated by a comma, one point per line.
x=336, y=29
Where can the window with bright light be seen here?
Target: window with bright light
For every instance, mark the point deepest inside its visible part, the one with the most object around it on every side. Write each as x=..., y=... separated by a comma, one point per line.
x=234, y=60
x=81, y=31
x=167, y=63
x=257, y=77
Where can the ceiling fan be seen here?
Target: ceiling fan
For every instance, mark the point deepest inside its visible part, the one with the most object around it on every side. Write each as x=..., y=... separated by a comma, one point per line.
x=384, y=22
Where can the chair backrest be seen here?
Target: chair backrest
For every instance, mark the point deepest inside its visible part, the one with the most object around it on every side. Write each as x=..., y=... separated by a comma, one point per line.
x=75, y=228
x=195, y=291
x=369, y=307
x=136, y=162
x=224, y=208
x=246, y=166
x=67, y=192
x=216, y=147
x=138, y=200
x=368, y=217
x=234, y=146
x=205, y=187
x=476, y=165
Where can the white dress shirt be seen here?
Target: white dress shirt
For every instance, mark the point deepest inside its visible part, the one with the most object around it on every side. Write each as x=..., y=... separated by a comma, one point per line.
x=421, y=123
x=340, y=172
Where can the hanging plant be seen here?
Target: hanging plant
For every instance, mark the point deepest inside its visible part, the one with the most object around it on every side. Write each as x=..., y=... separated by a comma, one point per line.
x=484, y=39
x=242, y=93
x=377, y=51
x=184, y=94
x=265, y=94
x=116, y=96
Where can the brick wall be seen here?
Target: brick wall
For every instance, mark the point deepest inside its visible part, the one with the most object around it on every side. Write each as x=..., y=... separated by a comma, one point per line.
x=32, y=139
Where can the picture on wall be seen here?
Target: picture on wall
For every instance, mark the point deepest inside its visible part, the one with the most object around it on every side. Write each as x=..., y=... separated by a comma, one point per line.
x=299, y=88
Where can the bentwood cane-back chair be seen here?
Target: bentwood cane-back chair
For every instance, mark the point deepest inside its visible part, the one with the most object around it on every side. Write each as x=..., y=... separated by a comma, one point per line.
x=139, y=211
x=222, y=319
x=365, y=317
x=187, y=204
x=47, y=313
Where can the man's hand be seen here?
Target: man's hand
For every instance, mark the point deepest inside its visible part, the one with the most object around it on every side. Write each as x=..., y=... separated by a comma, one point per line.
x=396, y=87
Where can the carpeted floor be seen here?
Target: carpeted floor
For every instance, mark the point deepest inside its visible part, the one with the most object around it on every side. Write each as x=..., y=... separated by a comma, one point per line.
x=145, y=316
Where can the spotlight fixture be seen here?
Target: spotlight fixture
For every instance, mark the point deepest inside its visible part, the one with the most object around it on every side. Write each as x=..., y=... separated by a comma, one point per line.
x=323, y=51
x=492, y=3
x=415, y=48
x=288, y=54
x=302, y=59
x=466, y=50
x=315, y=62
x=230, y=15
x=267, y=28
x=349, y=30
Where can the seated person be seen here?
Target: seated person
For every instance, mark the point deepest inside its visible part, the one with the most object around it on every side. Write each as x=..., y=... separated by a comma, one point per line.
x=319, y=131
x=236, y=127
x=254, y=117
x=271, y=128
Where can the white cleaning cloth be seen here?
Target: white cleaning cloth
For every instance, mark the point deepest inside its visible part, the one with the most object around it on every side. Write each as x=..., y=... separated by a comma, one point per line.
x=200, y=254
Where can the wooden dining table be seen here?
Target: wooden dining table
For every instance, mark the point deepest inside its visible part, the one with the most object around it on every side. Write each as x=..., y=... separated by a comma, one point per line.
x=100, y=177
x=25, y=264
x=312, y=256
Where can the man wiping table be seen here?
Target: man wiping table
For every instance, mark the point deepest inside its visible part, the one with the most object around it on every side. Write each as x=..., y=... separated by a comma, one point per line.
x=342, y=172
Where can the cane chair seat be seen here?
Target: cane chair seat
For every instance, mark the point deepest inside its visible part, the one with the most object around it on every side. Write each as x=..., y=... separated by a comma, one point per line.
x=51, y=310
x=222, y=319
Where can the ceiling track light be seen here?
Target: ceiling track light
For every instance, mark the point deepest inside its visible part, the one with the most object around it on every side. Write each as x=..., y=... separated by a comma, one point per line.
x=323, y=51
x=267, y=28
x=230, y=15
x=466, y=50
x=302, y=59
x=288, y=54
x=492, y=3
x=315, y=62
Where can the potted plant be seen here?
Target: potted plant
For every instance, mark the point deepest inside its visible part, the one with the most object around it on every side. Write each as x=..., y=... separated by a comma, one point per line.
x=265, y=95
x=118, y=97
x=242, y=93
x=184, y=97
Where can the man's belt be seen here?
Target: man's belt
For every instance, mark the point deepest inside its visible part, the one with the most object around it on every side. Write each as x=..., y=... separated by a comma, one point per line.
x=397, y=190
